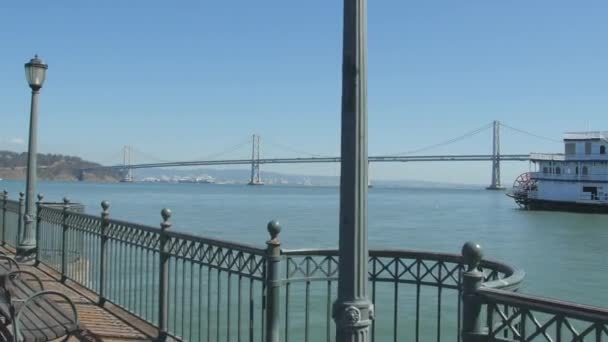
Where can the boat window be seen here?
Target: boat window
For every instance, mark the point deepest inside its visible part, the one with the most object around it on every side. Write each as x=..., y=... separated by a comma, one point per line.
x=570, y=148
x=585, y=170
x=558, y=171
x=602, y=149
x=592, y=190
x=545, y=170
x=587, y=148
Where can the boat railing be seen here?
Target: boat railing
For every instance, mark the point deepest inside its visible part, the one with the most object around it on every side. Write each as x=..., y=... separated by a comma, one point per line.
x=547, y=156
x=193, y=288
x=568, y=157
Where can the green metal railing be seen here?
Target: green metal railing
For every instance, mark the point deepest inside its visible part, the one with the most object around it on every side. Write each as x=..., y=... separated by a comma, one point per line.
x=192, y=288
x=11, y=220
x=199, y=289
x=493, y=314
x=416, y=294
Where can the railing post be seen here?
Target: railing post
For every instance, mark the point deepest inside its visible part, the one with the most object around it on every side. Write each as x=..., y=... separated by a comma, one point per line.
x=20, y=218
x=64, y=236
x=471, y=304
x=103, y=263
x=38, y=223
x=4, y=201
x=273, y=282
x=163, y=291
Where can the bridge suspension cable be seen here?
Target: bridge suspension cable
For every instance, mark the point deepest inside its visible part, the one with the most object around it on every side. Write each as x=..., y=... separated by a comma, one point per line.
x=112, y=160
x=230, y=149
x=529, y=133
x=149, y=156
x=291, y=149
x=210, y=156
x=447, y=142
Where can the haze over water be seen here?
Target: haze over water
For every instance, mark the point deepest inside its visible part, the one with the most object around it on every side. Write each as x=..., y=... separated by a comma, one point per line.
x=564, y=254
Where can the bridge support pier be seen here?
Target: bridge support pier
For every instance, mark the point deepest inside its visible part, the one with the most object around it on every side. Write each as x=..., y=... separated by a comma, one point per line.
x=256, y=179
x=81, y=175
x=495, y=184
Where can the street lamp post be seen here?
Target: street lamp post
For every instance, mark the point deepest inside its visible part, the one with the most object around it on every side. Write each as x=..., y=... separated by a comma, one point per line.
x=35, y=73
x=353, y=312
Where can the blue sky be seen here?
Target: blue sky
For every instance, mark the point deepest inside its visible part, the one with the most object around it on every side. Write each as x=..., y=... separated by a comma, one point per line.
x=179, y=80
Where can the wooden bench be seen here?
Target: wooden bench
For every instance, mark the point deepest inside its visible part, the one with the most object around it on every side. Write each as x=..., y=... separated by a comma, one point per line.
x=7, y=265
x=35, y=314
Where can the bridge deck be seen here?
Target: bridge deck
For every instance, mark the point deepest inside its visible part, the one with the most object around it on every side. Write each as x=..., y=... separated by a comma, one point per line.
x=100, y=323
x=312, y=160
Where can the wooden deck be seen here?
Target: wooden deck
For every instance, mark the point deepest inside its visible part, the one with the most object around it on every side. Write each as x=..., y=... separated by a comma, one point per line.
x=108, y=323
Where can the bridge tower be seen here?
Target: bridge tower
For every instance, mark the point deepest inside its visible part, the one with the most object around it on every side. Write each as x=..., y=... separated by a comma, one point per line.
x=126, y=162
x=256, y=179
x=81, y=175
x=495, y=184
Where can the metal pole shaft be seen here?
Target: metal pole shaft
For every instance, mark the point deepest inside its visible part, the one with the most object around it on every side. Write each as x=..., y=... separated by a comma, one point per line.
x=163, y=291
x=273, y=282
x=103, y=253
x=38, y=227
x=27, y=240
x=472, y=279
x=64, y=239
x=4, y=200
x=352, y=311
x=20, y=217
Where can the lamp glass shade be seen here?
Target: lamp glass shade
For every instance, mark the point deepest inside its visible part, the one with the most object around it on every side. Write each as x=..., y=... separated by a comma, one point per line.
x=35, y=72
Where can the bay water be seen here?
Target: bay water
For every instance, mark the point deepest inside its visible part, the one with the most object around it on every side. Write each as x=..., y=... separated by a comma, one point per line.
x=564, y=255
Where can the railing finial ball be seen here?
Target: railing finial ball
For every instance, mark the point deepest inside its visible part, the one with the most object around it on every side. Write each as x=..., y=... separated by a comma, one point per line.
x=472, y=254
x=21, y=194
x=274, y=228
x=166, y=214
x=5, y=192
x=105, y=205
x=40, y=197
x=66, y=200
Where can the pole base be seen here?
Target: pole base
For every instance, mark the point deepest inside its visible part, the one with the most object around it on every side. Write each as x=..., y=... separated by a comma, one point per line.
x=495, y=187
x=26, y=253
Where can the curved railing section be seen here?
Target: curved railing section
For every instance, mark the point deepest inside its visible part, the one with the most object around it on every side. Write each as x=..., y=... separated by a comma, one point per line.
x=519, y=317
x=416, y=294
x=495, y=314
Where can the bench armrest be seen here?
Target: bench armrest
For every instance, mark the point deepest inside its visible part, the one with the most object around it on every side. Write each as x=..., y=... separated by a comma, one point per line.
x=15, y=274
x=11, y=262
x=17, y=321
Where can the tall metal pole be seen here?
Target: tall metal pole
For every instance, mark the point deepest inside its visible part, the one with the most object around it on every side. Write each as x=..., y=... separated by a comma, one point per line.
x=352, y=311
x=27, y=241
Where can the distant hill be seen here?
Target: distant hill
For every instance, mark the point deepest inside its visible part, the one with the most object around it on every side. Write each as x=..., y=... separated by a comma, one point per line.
x=53, y=167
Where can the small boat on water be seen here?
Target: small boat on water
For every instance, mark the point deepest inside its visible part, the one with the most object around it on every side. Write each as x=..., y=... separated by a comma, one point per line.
x=128, y=178
x=576, y=180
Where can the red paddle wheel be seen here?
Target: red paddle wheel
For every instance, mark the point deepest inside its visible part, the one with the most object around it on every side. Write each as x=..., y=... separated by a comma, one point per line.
x=521, y=187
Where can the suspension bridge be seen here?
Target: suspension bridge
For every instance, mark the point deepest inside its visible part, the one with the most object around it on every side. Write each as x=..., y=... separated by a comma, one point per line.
x=409, y=156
